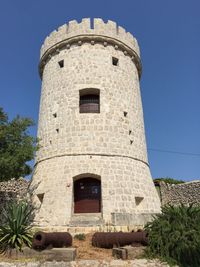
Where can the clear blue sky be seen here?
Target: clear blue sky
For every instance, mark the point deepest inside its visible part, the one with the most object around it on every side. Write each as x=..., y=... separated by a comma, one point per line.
x=168, y=33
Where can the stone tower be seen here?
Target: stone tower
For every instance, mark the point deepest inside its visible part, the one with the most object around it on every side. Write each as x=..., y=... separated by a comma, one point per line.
x=92, y=167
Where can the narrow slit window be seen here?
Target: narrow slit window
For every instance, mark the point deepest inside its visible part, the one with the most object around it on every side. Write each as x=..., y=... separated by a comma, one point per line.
x=61, y=63
x=115, y=61
x=89, y=101
x=57, y=130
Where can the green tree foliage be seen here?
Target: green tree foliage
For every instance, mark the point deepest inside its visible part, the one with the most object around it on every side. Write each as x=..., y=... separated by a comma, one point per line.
x=169, y=180
x=16, y=232
x=174, y=235
x=17, y=147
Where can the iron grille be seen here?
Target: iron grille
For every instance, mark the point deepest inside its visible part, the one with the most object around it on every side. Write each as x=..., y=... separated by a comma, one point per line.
x=89, y=104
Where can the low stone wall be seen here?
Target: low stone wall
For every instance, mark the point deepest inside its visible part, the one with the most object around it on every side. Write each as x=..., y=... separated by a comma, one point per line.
x=12, y=190
x=89, y=263
x=175, y=194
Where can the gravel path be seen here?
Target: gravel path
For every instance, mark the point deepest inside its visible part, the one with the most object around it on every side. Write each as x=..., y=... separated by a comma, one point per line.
x=89, y=263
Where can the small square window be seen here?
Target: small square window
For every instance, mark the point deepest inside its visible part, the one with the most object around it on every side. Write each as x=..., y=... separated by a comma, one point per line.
x=61, y=63
x=138, y=200
x=115, y=61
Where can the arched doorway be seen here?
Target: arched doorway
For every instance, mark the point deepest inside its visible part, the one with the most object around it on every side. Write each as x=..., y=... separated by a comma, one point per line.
x=87, y=195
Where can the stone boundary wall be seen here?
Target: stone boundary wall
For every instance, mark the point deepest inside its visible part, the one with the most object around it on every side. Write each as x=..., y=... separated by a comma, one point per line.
x=175, y=194
x=89, y=263
x=11, y=191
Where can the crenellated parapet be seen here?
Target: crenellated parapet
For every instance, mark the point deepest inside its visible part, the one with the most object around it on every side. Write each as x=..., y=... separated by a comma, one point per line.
x=75, y=33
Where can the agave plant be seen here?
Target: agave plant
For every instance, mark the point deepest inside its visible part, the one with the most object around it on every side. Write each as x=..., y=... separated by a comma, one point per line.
x=174, y=235
x=16, y=231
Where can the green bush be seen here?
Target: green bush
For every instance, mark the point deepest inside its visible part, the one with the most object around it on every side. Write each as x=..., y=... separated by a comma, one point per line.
x=168, y=180
x=80, y=236
x=174, y=235
x=16, y=231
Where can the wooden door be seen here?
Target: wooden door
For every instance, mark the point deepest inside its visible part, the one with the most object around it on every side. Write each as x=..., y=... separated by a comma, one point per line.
x=87, y=195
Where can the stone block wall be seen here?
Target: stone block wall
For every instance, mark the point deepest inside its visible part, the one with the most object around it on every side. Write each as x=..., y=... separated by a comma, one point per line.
x=110, y=145
x=12, y=190
x=175, y=194
x=122, y=180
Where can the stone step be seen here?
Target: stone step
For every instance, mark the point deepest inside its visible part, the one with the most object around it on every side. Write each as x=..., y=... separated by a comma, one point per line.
x=86, y=219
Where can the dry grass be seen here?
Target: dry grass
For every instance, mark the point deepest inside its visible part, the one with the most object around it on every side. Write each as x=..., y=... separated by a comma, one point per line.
x=86, y=251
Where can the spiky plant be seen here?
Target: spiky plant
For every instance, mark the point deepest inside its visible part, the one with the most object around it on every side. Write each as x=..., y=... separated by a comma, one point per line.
x=174, y=235
x=16, y=231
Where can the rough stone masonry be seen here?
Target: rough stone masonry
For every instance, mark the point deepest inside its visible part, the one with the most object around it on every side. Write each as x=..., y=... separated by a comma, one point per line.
x=93, y=156
x=175, y=194
x=13, y=190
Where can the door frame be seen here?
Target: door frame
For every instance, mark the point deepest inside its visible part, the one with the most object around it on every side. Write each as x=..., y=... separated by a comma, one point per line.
x=81, y=176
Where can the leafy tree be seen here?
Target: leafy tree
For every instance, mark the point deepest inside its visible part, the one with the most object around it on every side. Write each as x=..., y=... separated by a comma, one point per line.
x=17, y=147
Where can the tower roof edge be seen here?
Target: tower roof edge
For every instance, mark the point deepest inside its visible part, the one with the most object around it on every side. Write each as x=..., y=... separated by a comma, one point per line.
x=89, y=27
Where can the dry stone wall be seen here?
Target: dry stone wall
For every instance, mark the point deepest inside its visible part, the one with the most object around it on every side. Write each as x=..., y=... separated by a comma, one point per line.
x=12, y=190
x=185, y=193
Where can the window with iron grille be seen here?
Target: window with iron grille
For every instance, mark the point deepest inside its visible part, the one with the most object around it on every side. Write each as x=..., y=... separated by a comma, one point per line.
x=89, y=101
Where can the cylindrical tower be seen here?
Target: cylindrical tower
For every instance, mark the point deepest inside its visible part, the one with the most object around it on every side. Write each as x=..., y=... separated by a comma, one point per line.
x=92, y=166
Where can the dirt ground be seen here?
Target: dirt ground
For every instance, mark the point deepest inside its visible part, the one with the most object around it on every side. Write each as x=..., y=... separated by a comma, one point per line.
x=86, y=251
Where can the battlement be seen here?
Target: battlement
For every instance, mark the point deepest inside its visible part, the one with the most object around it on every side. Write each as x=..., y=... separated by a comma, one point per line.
x=93, y=31
x=87, y=27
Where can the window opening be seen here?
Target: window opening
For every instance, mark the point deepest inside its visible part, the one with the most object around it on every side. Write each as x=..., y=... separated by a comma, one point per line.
x=115, y=61
x=61, y=63
x=89, y=101
x=138, y=200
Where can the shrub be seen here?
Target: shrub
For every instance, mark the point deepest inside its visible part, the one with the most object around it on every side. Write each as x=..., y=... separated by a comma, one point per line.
x=168, y=180
x=16, y=231
x=174, y=235
x=80, y=236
